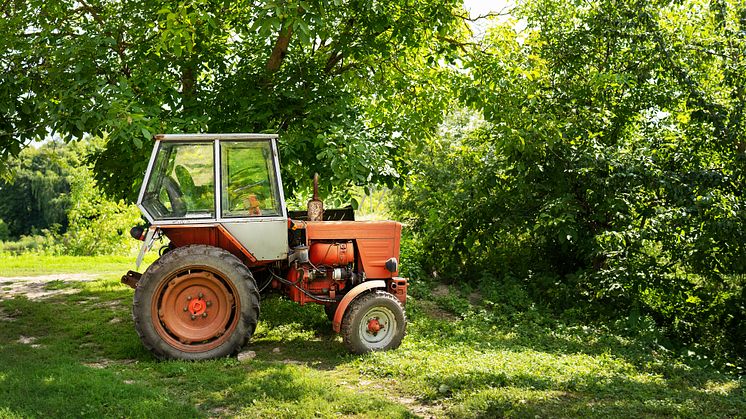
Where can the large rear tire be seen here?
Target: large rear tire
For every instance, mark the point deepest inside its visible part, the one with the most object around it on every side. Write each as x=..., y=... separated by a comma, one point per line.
x=196, y=302
x=374, y=322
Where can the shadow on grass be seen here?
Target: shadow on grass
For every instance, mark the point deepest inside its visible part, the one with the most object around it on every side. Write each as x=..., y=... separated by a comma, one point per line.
x=78, y=355
x=47, y=347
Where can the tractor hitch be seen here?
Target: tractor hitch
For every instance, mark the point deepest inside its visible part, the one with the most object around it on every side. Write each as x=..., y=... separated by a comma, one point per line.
x=131, y=278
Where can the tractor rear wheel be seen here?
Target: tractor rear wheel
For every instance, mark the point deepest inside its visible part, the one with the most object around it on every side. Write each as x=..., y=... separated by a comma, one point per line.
x=374, y=322
x=196, y=302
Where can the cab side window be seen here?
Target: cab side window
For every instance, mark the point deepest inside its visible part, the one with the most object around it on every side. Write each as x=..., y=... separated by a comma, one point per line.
x=248, y=179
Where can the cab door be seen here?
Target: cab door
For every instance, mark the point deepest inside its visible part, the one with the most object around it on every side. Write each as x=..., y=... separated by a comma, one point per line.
x=252, y=203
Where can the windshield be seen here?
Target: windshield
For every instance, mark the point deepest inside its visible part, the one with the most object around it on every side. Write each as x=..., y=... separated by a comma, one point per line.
x=182, y=182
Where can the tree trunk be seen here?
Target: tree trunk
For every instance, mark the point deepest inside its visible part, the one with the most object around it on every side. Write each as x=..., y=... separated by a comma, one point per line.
x=188, y=87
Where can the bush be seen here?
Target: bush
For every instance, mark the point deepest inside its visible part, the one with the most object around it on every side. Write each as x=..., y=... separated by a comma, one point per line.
x=608, y=173
x=608, y=252
x=40, y=244
x=4, y=231
x=97, y=225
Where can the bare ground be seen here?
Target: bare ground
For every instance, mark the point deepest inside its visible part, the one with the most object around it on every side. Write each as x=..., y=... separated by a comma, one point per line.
x=37, y=287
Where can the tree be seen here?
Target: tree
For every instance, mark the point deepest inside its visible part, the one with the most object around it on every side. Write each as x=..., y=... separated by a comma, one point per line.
x=610, y=167
x=52, y=195
x=4, y=231
x=350, y=85
x=37, y=196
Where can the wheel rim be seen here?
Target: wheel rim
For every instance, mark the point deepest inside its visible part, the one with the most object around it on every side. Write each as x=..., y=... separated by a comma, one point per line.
x=378, y=327
x=195, y=310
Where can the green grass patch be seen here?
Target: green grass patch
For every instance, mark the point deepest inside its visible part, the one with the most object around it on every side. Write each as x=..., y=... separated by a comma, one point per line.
x=487, y=365
x=81, y=356
x=33, y=264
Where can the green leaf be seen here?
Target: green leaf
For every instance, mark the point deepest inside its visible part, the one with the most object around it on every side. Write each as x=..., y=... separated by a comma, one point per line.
x=146, y=133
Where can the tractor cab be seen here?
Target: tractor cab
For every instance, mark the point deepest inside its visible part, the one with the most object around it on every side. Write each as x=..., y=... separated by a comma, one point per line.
x=231, y=180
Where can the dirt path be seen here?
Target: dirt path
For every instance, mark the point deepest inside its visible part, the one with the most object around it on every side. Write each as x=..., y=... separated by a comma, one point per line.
x=37, y=287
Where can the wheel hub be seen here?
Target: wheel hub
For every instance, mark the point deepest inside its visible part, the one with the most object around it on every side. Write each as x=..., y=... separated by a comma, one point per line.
x=374, y=326
x=196, y=309
x=377, y=327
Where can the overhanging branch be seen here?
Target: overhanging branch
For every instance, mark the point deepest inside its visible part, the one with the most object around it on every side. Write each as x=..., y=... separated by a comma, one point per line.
x=280, y=49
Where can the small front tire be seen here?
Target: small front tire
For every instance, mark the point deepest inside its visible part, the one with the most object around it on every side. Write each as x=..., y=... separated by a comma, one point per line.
x=374, y=322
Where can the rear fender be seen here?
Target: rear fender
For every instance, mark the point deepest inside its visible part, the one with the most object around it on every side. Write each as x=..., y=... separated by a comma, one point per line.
x=347, y=299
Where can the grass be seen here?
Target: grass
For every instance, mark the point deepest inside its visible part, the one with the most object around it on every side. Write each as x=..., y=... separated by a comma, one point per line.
x=78, y=355
x=32, y=264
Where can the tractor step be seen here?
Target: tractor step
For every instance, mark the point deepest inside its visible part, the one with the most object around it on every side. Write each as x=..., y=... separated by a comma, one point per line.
x=131, y=278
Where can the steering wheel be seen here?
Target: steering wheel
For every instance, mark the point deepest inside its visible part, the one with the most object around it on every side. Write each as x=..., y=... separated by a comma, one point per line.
x=175, y=197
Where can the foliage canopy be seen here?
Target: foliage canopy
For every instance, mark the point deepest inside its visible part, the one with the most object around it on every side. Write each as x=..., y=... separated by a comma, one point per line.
x=608, y=168
x=348, y=84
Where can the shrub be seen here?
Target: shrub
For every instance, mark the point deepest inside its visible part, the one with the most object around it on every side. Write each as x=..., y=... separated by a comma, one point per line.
x=45, y=243
x=4, y=231
x=592, y=242
x=97, y=225
x=608, y=173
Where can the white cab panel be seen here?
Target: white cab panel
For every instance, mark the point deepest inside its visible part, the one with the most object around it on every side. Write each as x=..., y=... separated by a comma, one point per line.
x=265, y=239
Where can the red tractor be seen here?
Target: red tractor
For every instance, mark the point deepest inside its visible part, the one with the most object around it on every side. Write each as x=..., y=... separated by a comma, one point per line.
x=218, y=198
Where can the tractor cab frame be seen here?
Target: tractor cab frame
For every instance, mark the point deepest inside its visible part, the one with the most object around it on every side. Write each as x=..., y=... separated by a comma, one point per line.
x=194, y=179
x=219, y=200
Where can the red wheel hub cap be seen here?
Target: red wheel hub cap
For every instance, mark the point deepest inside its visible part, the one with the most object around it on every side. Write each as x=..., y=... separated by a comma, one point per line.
x=197, y=307
x=374, y=325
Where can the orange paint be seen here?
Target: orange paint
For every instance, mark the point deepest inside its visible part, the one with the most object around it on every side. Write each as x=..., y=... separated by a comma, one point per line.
x=398, y=287
x=324, y=287
x=332, y=254
x=209, y=234
x=347, y=299
x=376, y=241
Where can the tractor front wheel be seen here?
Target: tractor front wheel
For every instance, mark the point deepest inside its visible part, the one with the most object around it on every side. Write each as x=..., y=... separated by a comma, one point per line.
x=374, y=322
x=196, y=302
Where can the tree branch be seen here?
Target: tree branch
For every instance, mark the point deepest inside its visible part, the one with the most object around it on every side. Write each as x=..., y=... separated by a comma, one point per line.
x=90, y=9
x=332, y=61
x=461, y=45
x=484, y=16
x=279, y=50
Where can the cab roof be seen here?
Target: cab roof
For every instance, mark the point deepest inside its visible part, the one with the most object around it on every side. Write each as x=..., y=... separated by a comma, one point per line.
x=211, y=137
